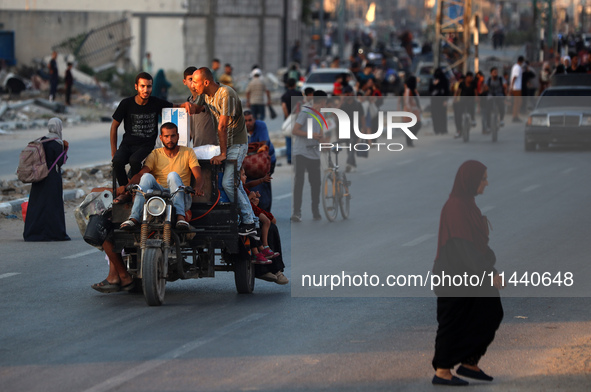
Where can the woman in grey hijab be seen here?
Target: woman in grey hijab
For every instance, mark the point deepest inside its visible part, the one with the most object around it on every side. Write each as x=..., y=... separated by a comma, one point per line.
x=45, y=219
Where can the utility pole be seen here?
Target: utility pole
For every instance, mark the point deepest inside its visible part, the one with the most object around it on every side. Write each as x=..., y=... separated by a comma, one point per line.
x=453, y=17
x=341, y=27
x=321, y=34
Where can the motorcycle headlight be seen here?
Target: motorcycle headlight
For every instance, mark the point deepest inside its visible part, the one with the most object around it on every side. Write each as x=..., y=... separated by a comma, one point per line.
x=156, y=206
x=538, y=121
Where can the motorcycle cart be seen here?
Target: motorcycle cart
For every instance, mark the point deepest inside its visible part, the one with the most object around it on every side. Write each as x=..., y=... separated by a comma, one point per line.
x=156, y=253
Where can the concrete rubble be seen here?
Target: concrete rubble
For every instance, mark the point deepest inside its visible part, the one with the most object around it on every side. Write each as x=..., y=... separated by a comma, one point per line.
x=77, y=183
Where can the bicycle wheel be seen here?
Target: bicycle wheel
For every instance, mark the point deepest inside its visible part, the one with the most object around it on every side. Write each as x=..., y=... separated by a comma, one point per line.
x=494, y=125
x=344, y=196
x=329, y=196
x=466, y=128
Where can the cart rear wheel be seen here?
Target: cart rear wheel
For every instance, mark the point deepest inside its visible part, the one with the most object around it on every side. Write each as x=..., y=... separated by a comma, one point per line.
x=243, y=270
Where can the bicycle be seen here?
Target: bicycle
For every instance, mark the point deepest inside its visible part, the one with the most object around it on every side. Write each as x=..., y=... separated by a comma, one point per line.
x=466, y=123
x=495, y=119
x=335, y=189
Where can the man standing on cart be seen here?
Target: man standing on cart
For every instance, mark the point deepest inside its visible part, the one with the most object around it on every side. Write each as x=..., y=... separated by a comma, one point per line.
x=224, y=104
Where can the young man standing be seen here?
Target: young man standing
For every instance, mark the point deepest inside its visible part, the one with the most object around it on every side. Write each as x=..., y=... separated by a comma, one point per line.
x=255, y=95
x=224, y=104
x=140, y=117
x=306, y=157
x=69, y=81
x=515, y=87
x=53, y=76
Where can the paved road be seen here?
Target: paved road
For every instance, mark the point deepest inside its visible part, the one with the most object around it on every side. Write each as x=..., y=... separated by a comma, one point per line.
x=57, y=334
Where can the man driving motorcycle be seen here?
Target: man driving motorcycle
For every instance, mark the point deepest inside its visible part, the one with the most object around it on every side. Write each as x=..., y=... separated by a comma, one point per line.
x=167, y=167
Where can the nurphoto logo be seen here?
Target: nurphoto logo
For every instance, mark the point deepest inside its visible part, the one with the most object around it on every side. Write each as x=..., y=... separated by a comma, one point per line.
x=393, y=121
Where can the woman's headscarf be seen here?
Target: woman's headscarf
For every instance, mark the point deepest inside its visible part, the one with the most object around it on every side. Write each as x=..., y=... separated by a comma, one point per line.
x=461, y=218
x=55, y=130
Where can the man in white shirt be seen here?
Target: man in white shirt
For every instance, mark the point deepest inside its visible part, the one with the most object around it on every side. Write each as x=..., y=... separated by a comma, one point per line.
x=515, y=87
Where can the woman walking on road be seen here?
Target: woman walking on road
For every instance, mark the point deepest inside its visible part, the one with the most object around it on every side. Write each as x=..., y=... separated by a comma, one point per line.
x=468, y=317
x=45, y=220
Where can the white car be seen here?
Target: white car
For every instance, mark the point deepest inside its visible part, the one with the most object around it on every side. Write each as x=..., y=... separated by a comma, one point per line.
x=324, y=78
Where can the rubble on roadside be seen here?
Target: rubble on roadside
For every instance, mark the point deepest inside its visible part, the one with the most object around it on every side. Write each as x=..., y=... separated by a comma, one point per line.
x=85, y=179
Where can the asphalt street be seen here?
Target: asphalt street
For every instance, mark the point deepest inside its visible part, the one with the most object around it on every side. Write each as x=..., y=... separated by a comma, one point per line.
x=57, y=334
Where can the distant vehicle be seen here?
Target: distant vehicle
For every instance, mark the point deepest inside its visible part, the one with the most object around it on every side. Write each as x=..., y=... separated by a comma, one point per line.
x=562, y=116
x=324, y=78
x=424, y=74
x=416, y=47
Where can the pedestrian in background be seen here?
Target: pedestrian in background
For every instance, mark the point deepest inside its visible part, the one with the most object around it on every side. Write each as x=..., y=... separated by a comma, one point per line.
x=53, y=76
x=45, y=220
x=439, y=90
x=286, y=105
x=515, y=84
x=69, y=82
x=226, y=78
x=215, y=69
x=306, y=155
x=161, y=85
x=412, y=104
x=255, y=95
x=467, y=317
x=147, y=64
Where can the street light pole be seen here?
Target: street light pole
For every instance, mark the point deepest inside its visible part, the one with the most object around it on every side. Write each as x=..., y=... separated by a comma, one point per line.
x=341, y=27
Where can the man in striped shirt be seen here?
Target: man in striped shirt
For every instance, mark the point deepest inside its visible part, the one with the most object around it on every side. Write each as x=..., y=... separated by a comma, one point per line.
x=224, y=104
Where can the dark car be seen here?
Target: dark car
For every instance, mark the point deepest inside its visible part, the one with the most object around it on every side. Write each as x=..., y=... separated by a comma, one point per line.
x=562, y=116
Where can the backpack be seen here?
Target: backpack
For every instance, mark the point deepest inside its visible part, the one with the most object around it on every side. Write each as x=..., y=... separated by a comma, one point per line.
x=32, y=165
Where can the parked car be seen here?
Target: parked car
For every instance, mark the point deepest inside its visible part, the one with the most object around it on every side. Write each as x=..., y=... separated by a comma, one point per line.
x=562, y=115
x=324, y=78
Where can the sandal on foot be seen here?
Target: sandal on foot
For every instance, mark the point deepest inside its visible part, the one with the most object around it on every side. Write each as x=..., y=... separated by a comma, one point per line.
x=129, y=286
x=129, y=224
x=182, y=225
x=106, y=287
x=122, y=198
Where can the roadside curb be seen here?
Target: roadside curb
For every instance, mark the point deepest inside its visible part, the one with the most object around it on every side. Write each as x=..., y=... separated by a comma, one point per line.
x=14, y=206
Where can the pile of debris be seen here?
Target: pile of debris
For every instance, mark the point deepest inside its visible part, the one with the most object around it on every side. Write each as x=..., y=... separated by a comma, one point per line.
x=84, y=179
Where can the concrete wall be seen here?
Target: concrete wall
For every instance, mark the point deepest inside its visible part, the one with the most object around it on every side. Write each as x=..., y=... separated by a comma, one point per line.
x=96, y=5
x=177, y=33
x=37, y=32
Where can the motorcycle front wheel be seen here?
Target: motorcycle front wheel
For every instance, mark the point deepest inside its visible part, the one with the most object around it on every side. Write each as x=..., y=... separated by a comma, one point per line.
x=153, y=281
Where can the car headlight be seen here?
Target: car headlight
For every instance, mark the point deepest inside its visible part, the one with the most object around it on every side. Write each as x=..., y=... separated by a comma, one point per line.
x=156, y=206
x=586, y=121
x=538, y=121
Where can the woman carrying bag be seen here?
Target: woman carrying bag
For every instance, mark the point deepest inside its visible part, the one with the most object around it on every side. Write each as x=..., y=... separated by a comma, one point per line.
x=45, y=220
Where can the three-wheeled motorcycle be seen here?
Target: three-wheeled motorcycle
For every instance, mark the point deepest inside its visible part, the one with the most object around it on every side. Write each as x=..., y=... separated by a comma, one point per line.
x=156, y=252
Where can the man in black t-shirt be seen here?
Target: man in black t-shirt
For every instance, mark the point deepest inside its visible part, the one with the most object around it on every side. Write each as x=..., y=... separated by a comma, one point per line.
x=139, y=115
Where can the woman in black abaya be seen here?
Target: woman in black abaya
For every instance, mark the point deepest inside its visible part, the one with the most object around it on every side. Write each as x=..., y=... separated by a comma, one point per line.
x=439, y=90
x=468, y=318
x=45, y=219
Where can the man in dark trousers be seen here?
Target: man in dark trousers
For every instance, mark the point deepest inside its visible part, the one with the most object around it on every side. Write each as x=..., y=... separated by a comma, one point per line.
x=140, y=117
x=69, y=81
x=53, y=76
